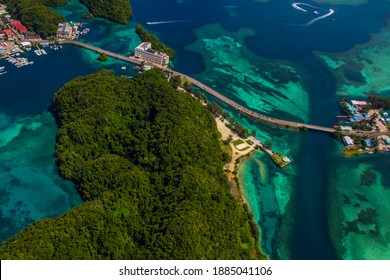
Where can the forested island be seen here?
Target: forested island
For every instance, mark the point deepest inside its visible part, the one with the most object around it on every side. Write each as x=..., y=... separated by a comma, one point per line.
x=115, y=10
x=38, y=17
x=147, y=161
x=152, y=38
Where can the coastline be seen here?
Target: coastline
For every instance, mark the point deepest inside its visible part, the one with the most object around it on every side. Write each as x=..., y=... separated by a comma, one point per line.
x=240, y=153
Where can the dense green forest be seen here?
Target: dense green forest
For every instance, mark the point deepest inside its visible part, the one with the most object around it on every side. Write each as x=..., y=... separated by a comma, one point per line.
x=152, y=38
x=147, y=161
x=36, y=14
x=115, y=10
x=379, y=102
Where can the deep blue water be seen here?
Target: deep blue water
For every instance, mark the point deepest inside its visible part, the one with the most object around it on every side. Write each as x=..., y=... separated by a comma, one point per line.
x=278, y=35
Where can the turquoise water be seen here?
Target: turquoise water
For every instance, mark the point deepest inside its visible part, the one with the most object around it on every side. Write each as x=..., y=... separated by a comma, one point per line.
x=30, y=187
x=258, y=53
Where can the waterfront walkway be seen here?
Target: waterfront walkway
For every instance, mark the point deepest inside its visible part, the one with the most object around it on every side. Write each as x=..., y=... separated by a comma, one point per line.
x=231, y=103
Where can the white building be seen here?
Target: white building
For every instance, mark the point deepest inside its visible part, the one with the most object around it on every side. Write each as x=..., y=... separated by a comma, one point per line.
x=146, y=52
x=346, y=128
x=26, y=44
x=348, y=141
x=64, y=30
x=358, y=103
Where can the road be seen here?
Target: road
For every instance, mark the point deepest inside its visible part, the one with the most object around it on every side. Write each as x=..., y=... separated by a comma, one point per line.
x=231, y=103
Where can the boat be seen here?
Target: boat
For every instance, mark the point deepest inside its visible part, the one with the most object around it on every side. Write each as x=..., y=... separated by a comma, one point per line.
x=342, y=117
x=43, y=51
x=123, y=67
x=2, y=67
x=2, y=73
x=137, y=68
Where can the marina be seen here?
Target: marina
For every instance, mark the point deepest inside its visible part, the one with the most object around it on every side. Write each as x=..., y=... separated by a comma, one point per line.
x=2, y=70
x=19, y=61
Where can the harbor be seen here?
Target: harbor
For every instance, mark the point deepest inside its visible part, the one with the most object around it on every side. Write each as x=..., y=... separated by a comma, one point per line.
x=16, y=40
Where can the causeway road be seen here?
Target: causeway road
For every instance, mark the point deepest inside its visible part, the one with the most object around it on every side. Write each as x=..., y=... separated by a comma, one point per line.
x=231, y=103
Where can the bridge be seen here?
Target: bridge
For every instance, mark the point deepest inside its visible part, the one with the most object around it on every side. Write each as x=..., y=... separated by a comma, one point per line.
x=243, y=110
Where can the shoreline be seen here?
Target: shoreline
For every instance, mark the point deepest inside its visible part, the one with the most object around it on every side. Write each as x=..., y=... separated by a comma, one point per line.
x=240, y=152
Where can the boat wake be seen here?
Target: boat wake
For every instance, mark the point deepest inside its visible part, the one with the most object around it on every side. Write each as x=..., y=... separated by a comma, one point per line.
x=166, y=22
x=300, y=7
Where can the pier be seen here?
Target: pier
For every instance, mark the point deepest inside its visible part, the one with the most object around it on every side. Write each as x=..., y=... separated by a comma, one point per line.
x=243, y=110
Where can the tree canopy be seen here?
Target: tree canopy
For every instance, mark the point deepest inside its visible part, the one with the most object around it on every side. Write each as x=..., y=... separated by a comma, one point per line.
x=152, y=38
x=379, y=102
x=115, y=10
x=147, y=161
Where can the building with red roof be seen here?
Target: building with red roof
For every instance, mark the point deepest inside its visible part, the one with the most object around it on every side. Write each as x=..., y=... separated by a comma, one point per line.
x=8, y=32
x=19, y=26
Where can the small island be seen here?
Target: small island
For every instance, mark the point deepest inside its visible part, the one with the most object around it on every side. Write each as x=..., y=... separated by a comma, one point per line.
x=146, y=159
x=102, y=57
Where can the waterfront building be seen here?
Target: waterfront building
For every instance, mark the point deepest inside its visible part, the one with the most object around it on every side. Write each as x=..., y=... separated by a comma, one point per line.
x=64, y=30
x=368, y=143
x=146, y=52
x=346, y=128
x=26, y=44
x=348, y=142
x=350, y=108
x=358, y=103
x=44, y=44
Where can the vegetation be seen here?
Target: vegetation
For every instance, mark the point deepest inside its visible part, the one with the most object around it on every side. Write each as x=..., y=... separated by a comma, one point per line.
x=36, y=15
x=278, y=159
x=227, y=152
x=152, y=38
x=102, y=57
x=303, y=128
x=147, y=161
x=379, y=102
x=115, y=10
x=175, y=81
x=235, y=127
x=238, y=142
x=88, y=16
x=214, y=108
x=355, y=152
x=362, y=125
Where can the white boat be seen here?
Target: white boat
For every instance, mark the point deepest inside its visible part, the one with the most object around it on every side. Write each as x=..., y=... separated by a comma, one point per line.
x=43, y=51
x=123, y=67
x=2, y=67
x=2, y=73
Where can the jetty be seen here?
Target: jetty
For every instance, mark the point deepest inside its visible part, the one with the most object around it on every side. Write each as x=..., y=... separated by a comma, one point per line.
x=239, y=108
